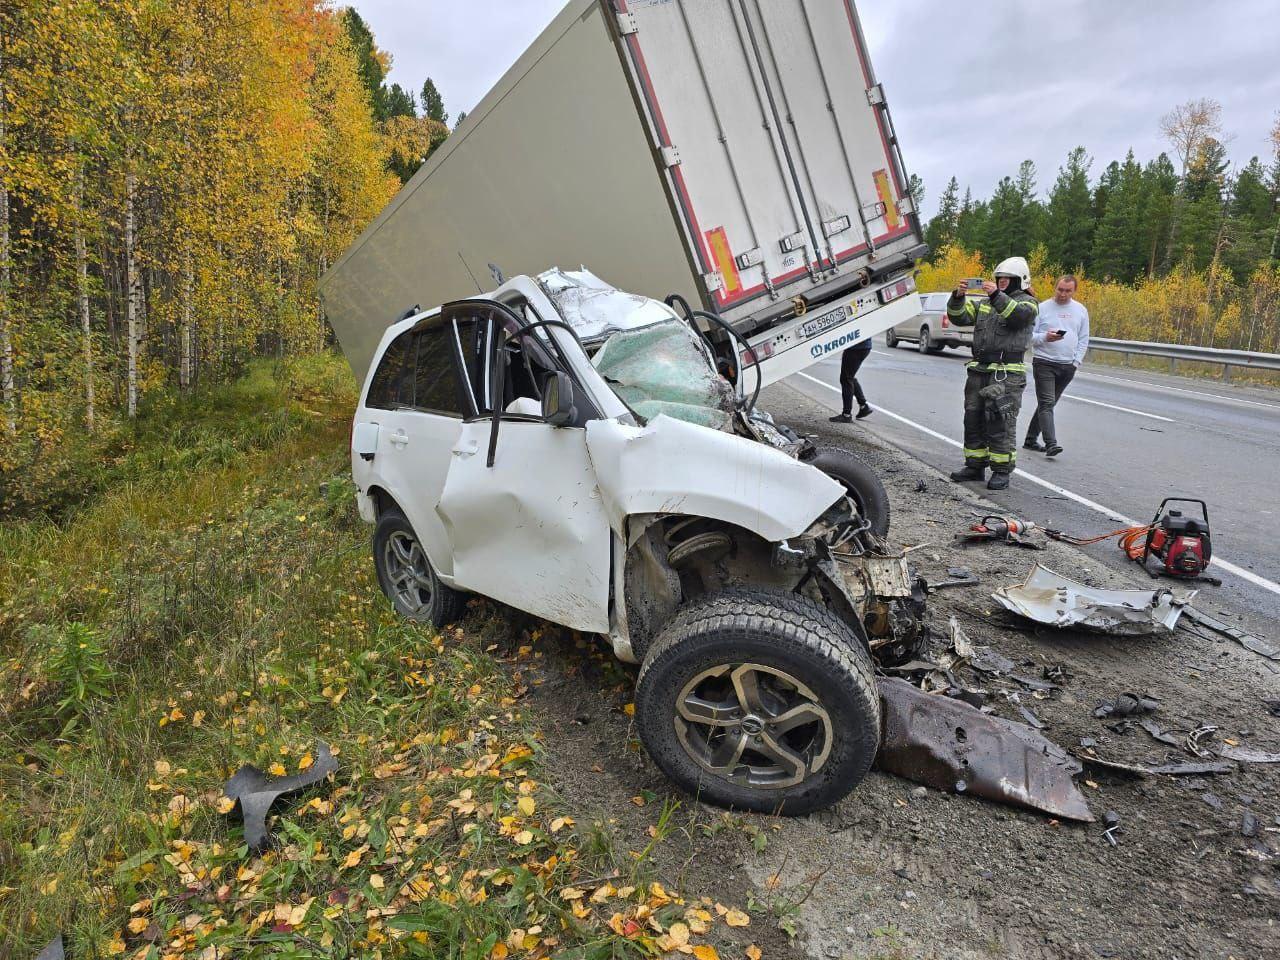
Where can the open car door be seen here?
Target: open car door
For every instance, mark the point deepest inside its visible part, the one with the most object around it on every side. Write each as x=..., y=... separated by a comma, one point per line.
x=527, y=529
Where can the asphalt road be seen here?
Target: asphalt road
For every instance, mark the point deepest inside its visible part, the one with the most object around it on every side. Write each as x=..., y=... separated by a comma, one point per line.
x=1130, y=440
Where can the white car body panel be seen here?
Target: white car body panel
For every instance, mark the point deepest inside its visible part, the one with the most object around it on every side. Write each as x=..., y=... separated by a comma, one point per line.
x=673, y=467
x=530, y=531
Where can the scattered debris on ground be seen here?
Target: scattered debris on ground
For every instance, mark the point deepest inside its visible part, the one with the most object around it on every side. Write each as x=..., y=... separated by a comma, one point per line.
x=1051, y=599
x=950, y=745
x=53, y=950
x=254, y=792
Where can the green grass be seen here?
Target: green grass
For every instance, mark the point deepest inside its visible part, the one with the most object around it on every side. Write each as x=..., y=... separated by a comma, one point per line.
x=212, y=603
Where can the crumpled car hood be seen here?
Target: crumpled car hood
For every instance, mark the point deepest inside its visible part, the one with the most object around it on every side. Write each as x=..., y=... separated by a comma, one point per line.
x=673, y=467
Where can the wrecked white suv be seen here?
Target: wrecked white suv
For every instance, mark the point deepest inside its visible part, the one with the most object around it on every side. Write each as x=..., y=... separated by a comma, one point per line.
x=572, y=451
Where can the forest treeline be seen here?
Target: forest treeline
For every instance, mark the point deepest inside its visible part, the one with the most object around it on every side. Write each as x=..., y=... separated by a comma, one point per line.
x=174, y=179
x=1182, y=248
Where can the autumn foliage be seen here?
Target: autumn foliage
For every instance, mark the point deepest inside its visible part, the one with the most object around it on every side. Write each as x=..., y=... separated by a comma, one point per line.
x=174, y=178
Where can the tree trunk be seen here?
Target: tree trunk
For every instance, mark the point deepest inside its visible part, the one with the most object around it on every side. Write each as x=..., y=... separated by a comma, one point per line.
x=8, y=394
x=184, y=332
x=131, y=294
x=82, y=292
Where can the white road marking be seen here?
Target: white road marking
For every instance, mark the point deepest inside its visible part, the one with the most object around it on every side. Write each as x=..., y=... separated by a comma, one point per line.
x=1136, y=413
x=1240, y=572
x=1194, y=393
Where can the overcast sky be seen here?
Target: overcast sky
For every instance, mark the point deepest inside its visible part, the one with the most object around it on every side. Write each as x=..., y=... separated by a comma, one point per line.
x=975, y=87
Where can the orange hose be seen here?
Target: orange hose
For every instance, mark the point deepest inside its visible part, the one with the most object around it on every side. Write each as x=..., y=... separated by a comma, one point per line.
x=1132, y=539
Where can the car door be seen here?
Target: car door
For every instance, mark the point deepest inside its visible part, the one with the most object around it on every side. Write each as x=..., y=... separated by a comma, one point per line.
x=528, y=529
x=421, y=423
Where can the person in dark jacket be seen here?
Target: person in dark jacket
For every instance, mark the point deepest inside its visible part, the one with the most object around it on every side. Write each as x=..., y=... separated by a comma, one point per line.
x=1002, y=323
x=850, y=363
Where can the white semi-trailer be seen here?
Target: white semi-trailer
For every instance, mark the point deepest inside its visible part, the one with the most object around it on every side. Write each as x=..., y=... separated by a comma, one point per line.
x=738, y=154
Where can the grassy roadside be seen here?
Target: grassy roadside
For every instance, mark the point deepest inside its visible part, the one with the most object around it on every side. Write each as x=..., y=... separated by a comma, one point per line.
x=195, y=617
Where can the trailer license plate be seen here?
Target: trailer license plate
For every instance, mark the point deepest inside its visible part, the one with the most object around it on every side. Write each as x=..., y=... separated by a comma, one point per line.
x=832, y=318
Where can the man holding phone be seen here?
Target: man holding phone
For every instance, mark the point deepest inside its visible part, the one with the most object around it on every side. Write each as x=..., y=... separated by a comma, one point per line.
x=1059, y=342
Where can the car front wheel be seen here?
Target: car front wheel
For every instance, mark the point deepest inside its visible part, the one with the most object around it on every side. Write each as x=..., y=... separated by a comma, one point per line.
x=406, y=576
x=861, y=482
x=759, y=701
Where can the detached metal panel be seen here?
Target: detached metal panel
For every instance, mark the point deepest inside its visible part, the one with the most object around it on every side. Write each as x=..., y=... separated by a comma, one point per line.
x=783, y=160
x=552, y=168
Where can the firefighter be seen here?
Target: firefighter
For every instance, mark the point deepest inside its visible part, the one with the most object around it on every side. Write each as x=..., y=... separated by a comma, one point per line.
x=1002, y=324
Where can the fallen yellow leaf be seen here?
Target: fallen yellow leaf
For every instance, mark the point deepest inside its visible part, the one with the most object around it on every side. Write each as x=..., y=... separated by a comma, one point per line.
x=306, y=761
x=526, y=806
x=276, y=770
x=376, y=881
x=138, y=924
x=162, y=768
x=523, y=838
x=704, y=951
x=629, y=709
x=753, y=952
x=736, y=918
x=679, y=934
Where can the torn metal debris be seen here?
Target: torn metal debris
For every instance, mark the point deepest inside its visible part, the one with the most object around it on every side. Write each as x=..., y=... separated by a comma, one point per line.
x=1048, y=598
x=1126, y=705
x=255, y=792
x=1247, y=640
x=53, y=950
x=949, y=745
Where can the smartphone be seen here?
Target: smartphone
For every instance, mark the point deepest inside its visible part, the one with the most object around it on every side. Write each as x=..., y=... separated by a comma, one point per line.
x=1061, y=333
x=974, y=283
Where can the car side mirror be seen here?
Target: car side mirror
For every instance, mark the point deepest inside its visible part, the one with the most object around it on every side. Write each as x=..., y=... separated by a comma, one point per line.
x=558, y=407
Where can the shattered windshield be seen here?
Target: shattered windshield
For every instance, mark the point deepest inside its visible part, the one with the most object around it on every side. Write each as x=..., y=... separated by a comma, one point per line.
x=663, y=368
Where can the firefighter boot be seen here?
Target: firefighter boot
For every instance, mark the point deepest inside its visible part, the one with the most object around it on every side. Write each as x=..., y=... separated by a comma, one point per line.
x=998, y=481
x=969, y=472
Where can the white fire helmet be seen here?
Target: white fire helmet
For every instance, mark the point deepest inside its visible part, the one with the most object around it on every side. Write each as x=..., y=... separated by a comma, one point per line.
x=1017, y=268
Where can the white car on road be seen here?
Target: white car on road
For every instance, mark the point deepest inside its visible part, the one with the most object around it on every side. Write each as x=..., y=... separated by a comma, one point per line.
x=570, y=450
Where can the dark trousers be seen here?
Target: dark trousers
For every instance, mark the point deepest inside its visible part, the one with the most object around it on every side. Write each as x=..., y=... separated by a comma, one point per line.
x=1051, y=381
x=850, y=362
x=991, y=405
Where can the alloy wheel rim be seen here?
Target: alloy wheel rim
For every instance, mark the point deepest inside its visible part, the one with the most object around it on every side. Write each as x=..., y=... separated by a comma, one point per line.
x=408, y=573
x=755, y=726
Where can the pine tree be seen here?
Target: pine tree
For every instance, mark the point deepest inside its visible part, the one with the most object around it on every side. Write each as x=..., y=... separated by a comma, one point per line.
x=1069, y=219
x=397, y=102
x=1117, y=247
x=942, y=228
x=369, y=67
x=433, y=104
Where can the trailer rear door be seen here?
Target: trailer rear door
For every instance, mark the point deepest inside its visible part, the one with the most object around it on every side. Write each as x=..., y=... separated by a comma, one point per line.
x=779, y=151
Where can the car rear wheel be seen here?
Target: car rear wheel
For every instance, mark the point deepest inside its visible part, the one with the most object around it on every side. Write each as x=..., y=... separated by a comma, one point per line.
x=759, y=701
x=926, y=344
x=862, y=483
x=407, y=577
x=891, y=339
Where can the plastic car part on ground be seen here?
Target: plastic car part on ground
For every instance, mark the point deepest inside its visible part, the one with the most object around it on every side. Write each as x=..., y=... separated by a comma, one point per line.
x=1051, y=599
x=663, y=368
x=53, y=950
x=255, y=792
x=950, y=745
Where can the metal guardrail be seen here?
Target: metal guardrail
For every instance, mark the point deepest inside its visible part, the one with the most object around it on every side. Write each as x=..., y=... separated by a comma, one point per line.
x=1174, y=352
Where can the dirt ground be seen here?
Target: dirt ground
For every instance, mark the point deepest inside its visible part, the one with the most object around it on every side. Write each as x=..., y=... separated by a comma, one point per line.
x=897, y=870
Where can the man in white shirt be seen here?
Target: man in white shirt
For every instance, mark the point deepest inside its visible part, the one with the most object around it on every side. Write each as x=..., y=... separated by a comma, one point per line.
x=1059, y=343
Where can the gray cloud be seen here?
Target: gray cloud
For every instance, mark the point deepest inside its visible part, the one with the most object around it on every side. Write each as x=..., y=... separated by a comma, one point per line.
x=976, y=87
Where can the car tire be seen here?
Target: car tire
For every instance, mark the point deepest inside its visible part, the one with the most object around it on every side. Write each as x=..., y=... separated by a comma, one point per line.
x=407, y=577
x=926, y=344
x=790, y=694
x=863, y=484
x=891, y=339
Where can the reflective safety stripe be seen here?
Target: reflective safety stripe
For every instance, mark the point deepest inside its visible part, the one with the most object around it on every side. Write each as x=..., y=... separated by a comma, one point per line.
x=1003, y=457
x=1013, y=305
x=996, y=367
x=976, y=454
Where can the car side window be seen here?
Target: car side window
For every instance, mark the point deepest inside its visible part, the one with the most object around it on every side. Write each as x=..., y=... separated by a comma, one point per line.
x=392, y=384
x=437, y=386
